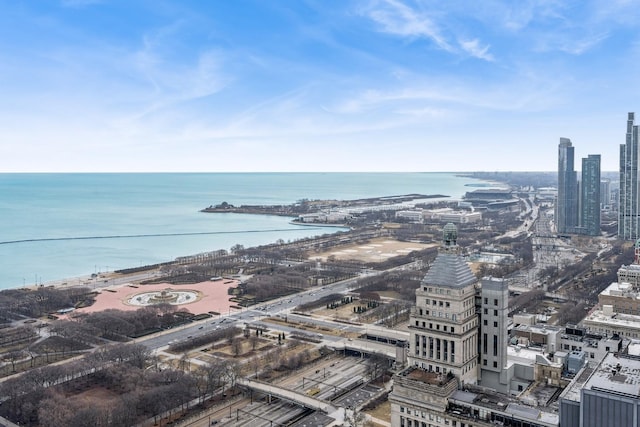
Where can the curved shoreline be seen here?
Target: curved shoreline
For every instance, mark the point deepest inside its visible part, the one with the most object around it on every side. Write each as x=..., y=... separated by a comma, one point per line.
x=319, y=224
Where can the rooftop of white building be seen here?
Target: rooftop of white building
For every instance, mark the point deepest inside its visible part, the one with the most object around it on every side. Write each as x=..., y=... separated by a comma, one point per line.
x=634, y=348
x=631, y=267
x=539, y=329
x=620, y=375
x=621, y=289
x=599, y=318
x=518, y=355
x=616, y=374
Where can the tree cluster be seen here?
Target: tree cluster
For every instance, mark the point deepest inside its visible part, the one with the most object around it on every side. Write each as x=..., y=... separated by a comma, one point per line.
x=205, y=339
x=137, y=387
x=17, y=303
x=426, y=255
x=118, y=325
x=320, y=302
x=404, y=282
x=390, y=313
x=527, y=301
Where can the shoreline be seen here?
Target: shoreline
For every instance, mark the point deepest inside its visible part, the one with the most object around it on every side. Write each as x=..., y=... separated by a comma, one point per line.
x=320, y=224
x=163, y=206
x=312, y=206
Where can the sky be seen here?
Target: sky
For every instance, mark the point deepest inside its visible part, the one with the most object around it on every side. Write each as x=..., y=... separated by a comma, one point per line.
x=314, y=85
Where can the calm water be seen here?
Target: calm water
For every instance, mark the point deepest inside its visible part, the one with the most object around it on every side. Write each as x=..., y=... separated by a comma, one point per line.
x=94, y=206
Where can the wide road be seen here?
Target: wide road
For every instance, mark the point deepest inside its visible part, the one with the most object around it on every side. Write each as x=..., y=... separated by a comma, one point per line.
x=281, y=306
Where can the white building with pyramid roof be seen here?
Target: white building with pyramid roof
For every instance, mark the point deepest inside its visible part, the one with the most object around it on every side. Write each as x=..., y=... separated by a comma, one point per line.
x=444, y=323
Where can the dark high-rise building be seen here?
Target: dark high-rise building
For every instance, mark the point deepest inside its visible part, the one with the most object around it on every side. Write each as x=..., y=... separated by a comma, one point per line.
x=628, y=212
x=605, y=192
x=590, y=195
x=567, y=204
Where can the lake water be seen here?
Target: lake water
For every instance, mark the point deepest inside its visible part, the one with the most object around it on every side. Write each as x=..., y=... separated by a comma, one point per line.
x=94, y=209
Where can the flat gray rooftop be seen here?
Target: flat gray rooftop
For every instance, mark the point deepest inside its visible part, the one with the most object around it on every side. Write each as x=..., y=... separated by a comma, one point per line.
x=620, y=375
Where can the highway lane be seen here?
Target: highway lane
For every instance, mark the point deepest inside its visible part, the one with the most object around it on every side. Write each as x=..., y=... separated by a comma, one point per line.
x=281, y=306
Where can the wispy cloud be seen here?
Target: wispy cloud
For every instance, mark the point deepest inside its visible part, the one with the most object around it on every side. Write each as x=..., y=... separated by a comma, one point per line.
x=474, y=48
x=397, y=18
x=580, y=46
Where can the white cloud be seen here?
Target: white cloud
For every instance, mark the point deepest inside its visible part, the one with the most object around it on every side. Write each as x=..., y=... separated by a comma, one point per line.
x=474, y=49
x=399, y=19
x=580, y=46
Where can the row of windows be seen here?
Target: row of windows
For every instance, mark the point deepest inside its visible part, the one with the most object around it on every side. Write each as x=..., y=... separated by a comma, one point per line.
x=436, y=314
x=408, y=422
x=608, y=332
x=486, y=323
x=421, y=414
x=469, y=367
x=437, y=290
x=460, y=292
x=438, y=349
x=486, y=301
x=431, y=368
x=445, y=328
x=439, y=303
x=485, y=343
x=495, y=364
x=473, y=324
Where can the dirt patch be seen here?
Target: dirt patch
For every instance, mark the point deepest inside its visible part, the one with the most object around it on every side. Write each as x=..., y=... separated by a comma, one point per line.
x=95, y=394
x=376, y=250
x=390, y=295
x=344, y=312
x=381, y=412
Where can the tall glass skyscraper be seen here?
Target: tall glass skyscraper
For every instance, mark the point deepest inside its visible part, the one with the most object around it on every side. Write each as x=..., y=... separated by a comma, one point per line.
x=590, y=195
x=567, y=205
x=628, y=211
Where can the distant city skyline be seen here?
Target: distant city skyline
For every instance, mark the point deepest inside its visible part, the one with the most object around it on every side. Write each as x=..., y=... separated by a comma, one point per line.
x=373, y=85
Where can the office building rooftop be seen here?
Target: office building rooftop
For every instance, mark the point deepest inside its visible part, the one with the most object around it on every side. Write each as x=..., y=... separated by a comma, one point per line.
x=617, y=375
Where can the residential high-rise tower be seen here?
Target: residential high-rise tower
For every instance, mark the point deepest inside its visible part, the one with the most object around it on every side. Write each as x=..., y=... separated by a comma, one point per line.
x=590, y=195
x=628, y=211
x=567, y=204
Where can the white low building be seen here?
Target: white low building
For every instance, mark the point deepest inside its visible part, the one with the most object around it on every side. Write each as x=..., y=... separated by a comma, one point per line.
x=453, y=216
x=607, y=322
x=414, y=216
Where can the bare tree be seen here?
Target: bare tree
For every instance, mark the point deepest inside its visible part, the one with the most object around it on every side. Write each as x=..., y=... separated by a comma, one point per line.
x=231, y=373
x=14, y=356
x=253, y=340
x=377, y=364
x=236, y=346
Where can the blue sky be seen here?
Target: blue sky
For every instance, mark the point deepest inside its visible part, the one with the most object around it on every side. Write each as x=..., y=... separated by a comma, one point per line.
x=313, y=85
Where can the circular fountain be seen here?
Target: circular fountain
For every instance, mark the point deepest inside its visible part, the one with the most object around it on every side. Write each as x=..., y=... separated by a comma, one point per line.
x=165, y=296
